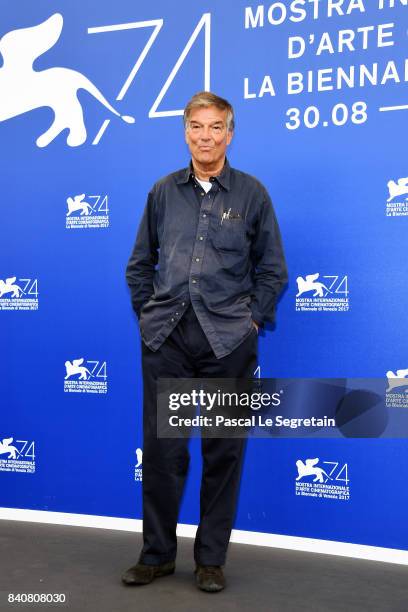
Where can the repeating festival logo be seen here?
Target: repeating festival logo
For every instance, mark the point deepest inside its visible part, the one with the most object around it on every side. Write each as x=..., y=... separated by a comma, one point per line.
x=138, y=466
x=322, y=479
x=17, y=456
x=397, y=203
x=85, y=376
x=87, y=211
x=18, y=293
x=322, y=293
x=397, y=389
x=25, y=89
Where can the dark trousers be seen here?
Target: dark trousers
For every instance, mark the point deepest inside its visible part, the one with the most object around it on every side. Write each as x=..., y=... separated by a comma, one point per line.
x=186, y=353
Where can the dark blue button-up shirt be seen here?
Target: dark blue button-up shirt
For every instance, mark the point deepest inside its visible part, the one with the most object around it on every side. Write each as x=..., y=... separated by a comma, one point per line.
x=220, y=250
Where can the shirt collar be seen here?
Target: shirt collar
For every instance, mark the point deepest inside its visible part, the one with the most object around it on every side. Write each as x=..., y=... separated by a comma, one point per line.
x=223, y=178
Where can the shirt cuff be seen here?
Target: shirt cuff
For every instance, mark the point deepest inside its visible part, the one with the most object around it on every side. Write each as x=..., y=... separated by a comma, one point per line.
x=256, y=316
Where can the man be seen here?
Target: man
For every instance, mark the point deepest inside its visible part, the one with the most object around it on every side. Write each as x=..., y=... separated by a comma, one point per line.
x=205, y=273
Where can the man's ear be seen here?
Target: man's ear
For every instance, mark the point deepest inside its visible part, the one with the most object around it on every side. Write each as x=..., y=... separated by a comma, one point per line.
x=230, y=134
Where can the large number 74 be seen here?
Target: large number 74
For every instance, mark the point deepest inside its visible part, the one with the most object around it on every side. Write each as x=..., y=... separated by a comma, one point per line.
x=156, y=24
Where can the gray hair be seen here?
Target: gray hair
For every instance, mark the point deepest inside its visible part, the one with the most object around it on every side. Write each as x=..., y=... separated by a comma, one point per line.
x=204, y=99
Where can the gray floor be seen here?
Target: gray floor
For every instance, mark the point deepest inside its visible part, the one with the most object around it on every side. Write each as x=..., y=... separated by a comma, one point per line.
x=86, y=565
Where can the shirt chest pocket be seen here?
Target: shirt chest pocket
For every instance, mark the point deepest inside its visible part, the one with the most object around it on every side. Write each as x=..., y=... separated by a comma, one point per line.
x=230, y=235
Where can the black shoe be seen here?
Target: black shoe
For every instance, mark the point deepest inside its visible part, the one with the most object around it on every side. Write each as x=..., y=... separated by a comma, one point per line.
x=209, y=578
x=143, y=574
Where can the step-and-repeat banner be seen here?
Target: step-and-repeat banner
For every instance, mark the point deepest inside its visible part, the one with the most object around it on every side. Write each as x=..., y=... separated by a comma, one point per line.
x=91, y=100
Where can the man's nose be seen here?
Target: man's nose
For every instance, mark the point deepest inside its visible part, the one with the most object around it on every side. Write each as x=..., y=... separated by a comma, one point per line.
x=205, y=134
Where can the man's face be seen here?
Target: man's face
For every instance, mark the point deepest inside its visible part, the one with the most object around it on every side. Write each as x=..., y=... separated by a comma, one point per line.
x=207, y=135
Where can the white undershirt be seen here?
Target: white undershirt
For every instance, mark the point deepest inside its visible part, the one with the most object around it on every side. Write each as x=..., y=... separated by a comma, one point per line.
x=206, y=185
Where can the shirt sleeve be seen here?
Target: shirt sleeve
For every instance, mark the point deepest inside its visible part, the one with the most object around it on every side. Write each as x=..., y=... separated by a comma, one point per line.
x=270, y=271
x=140, y=269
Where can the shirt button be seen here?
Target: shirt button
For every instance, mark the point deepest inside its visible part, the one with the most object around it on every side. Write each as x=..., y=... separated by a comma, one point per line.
x=204, y=215
x=202, y=193
x=194, y=281
x=197, y=259
x=172, y=319
x=176, y=313
x=201, y=238
x=183, y=303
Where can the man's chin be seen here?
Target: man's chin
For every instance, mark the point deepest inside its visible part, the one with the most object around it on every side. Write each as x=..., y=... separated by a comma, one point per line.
x=206, y=157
